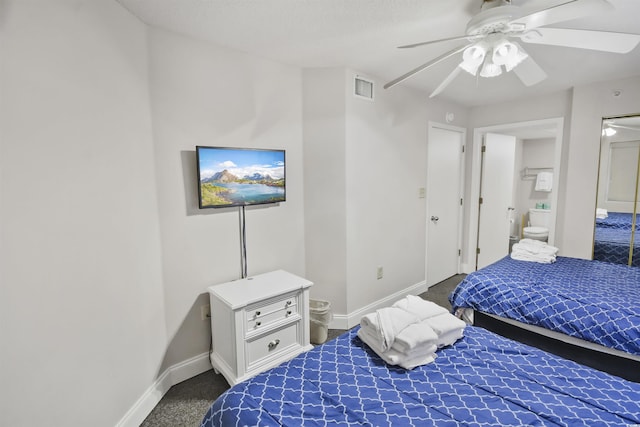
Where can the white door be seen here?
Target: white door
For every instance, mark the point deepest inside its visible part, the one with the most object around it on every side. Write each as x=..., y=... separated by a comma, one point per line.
x=444, y=201
x=496, y=196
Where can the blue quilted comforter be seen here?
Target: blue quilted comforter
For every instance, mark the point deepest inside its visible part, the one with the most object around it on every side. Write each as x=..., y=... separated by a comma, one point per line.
x=619, y=220
x=595, y=301
x=612, y=239
x=483, y=379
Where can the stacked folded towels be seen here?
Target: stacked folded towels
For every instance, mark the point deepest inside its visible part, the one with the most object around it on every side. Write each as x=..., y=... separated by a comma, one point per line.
x=535, y=251
x=409, y=332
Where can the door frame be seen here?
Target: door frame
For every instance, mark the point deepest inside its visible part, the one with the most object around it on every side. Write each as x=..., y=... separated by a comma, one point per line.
x=463, y=135
x=532, y=129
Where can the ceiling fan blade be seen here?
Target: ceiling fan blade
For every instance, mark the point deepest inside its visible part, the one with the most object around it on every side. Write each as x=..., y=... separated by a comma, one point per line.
x=583, y=39
x=470, y=38
x=565, y=11
x=427, y=65
x=529, y=72
x=446, y=82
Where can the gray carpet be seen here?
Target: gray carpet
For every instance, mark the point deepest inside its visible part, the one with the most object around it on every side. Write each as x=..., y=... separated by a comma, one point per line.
x=185, y=404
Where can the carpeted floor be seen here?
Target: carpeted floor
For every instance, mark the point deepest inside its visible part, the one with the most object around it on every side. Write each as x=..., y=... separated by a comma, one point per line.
x=185, y=404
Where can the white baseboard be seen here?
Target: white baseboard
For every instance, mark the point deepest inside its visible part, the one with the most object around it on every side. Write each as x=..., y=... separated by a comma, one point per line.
x=347, y=321
x=467, y=269
x=173, y=375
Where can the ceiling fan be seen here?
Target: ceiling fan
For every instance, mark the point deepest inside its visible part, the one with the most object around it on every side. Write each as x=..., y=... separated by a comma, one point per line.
x=491, y=39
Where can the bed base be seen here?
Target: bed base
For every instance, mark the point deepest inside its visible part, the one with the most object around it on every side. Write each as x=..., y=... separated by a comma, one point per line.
x=615, y=364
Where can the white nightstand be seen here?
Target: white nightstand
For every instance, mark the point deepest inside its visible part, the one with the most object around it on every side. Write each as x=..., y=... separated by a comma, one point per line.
x=258, y=322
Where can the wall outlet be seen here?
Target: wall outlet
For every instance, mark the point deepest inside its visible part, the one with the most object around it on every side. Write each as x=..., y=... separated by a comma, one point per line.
x=205, y=312
x=380, y=272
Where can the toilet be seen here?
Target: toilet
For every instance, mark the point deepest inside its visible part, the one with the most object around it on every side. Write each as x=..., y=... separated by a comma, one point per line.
x=538, y=228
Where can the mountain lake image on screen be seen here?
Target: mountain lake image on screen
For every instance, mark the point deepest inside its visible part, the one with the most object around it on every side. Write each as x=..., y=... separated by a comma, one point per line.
x=240, y=176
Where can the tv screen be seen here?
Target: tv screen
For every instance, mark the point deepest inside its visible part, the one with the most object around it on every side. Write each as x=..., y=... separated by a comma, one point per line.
x=239, y=176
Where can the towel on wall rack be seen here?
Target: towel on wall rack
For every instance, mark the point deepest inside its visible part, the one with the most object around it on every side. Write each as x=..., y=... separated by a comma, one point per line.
x=544, y=181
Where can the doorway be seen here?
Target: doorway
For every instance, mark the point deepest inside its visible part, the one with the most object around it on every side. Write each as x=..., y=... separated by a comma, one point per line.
x=444, y=194
x=531, y=130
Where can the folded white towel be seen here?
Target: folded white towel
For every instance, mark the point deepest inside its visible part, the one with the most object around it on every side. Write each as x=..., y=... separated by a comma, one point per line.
x=534, y=247
x=422, y=308
x=532, y=242
x=369, y=322
x=446, y=326
x=392, y=320
x=410, y=360
x=544, y=181
x=449, y=338
x=420, y=360
x=401, y=334
x=523, y=255
x=601, y=213
x=415, y=336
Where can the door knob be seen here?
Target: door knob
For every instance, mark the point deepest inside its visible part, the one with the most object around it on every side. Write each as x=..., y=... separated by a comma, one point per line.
x=434, y=218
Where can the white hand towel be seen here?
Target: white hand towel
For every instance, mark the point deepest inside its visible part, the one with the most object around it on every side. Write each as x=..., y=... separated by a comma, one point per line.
x=369, y=322
x=410, y=360
x=392, y=320
x=532, y=242
x=415, y=336
x=449, y=338
x=526, y=245
x=522, y=255
x=413, y=362
x=544, y=181
x=422, y=308
x=448, y=327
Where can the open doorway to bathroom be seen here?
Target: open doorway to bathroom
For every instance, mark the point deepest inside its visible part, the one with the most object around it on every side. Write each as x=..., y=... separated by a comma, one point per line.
x=538, y=150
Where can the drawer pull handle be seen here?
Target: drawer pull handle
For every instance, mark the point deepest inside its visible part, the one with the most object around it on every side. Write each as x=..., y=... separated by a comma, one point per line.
x=288, y=303
x=289, y=312
x=273, y=344
x=258, y=324
x=257, y=313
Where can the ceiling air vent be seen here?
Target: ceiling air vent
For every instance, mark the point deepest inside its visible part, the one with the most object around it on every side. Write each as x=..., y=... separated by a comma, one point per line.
x=363, y=88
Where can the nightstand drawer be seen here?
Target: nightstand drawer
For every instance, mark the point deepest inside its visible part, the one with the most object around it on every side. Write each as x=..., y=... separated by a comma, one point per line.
x=272, y=343
x=261, y=316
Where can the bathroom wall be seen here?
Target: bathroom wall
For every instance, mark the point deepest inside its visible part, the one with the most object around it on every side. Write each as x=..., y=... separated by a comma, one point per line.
x=535, y=153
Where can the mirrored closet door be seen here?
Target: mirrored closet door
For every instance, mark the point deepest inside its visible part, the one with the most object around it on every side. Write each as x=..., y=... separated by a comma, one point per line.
x=617, y=212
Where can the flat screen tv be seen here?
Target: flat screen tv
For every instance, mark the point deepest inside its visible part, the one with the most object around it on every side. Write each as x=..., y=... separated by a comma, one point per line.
x=239, y=176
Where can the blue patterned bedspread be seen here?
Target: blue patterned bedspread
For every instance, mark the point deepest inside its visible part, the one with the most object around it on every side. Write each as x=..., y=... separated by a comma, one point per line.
x=483, y=379
x=612, y=245
x=619, y=220
x=613, y=237
x=592, y=300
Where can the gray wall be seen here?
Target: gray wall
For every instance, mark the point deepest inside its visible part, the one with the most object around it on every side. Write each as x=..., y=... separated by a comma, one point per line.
x=82, y=301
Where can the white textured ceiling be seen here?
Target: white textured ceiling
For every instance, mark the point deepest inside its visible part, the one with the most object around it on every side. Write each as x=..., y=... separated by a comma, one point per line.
x=363, y=35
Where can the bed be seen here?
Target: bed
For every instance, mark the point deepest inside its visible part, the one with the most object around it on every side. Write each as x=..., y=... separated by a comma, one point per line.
x=483, y=379
x=590, y=304
x=612, y=239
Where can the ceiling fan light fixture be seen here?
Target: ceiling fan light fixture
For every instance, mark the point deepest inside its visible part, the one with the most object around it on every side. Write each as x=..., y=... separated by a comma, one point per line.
x=489, y=68
x=508, y=54
x=472, y=58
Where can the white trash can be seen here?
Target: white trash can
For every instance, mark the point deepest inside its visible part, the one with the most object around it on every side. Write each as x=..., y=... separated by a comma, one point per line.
x=319, y=318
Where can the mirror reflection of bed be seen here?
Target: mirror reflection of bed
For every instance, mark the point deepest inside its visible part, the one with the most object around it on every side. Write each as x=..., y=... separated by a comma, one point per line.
x=616, y=216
